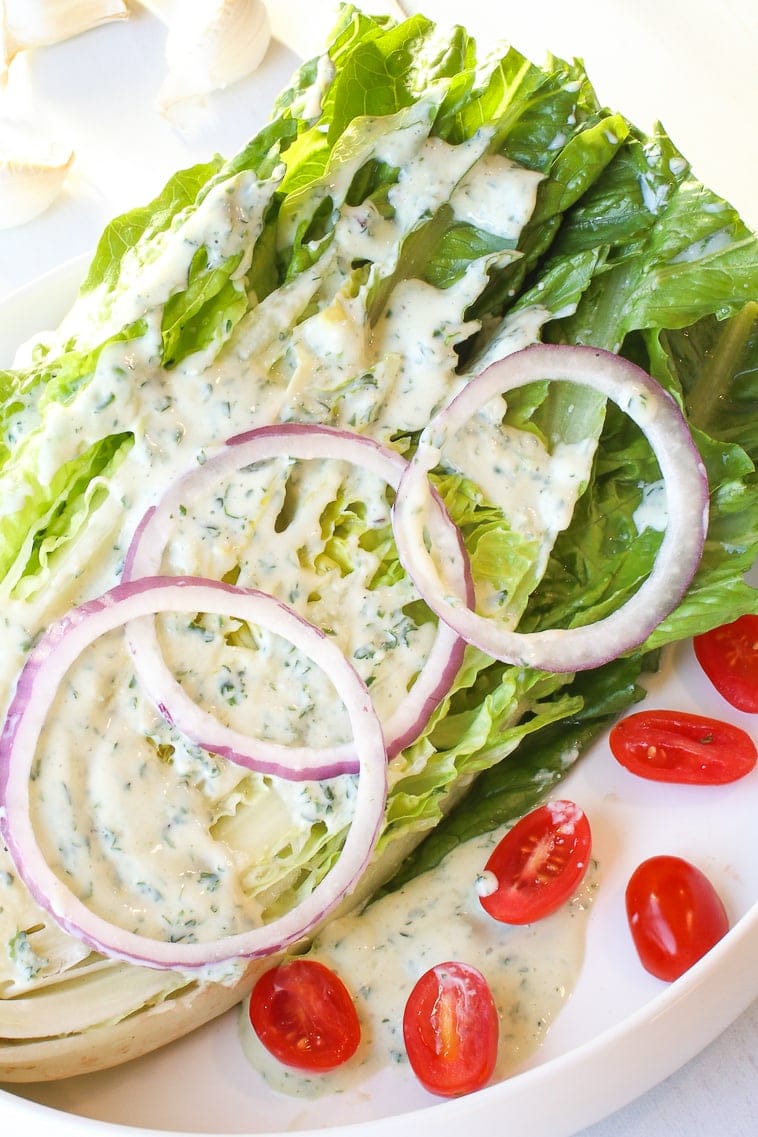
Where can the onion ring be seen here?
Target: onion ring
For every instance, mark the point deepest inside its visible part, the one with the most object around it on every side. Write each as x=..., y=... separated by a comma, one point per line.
x=660, y=419
x=34, y=696
x=403, y=726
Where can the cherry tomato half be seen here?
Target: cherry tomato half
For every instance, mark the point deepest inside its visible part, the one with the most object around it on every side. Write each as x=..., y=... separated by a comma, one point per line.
x=675, y=915
x=729, y=657
x=538, y=864
x=673, y=746
x=303, y=1014
x=450, y=1028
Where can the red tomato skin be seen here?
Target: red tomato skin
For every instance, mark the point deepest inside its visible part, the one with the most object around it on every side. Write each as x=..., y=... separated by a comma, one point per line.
x=674, y=746
x=451, y=1029
x=538, y=865
x=303, y=1014
x=675, y=915
x=729, y=657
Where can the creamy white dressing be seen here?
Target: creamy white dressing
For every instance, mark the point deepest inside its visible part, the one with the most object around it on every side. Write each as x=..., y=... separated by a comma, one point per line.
x=427, y=178
x=708, y=246
x=480, y=200
x=135, y=833
x=651, y=513
x=516, y=331
x=534, y=488
x=310, y=102
x=369, y=624
x=225, y=224
x=393, y=139
x=382, y=952
x=168, y=845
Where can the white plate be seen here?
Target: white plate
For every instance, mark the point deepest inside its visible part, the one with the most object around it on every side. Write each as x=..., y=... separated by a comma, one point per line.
x=622, y=1031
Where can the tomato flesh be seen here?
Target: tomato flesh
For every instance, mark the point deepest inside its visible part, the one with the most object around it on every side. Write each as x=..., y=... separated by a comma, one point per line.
x=675, y=915
x=729, y=657
x=673, y=746
x=538, y=864
x=303, y=1014
x=450, y=1029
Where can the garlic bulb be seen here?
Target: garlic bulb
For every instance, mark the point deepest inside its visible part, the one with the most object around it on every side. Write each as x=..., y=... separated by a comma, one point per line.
x=32, y=173
x=211, y=44
x=36, y=23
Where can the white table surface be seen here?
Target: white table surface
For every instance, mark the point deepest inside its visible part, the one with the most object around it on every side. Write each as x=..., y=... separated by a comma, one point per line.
x=96, y=94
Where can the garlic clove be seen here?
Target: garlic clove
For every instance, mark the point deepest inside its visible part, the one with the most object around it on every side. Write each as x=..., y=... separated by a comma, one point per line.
x=210, y=45
x=31, y=177
x=38, y=23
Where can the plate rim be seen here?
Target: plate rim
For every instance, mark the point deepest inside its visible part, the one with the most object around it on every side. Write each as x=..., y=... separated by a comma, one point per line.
x=656, y=1023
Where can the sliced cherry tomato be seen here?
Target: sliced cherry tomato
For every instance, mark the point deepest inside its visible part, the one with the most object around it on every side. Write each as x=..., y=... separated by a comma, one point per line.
x=538, y=864
x=675, y=915
x=450, y=1028
x=303, y=1014
x=729, y=657
x=673, y=746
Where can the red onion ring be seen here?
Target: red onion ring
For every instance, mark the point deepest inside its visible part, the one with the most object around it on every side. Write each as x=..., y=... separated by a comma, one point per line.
x=659, y=417
x=33, y=698
x=303, y=441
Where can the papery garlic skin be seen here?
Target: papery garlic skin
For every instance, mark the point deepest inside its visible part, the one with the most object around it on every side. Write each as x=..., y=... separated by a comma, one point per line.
x=210, y=45
x=165, y=10
x=39, y=23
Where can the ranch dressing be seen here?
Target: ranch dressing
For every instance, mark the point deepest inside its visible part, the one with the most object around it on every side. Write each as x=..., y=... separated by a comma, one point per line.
x=380, y=954
x=154, y=834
